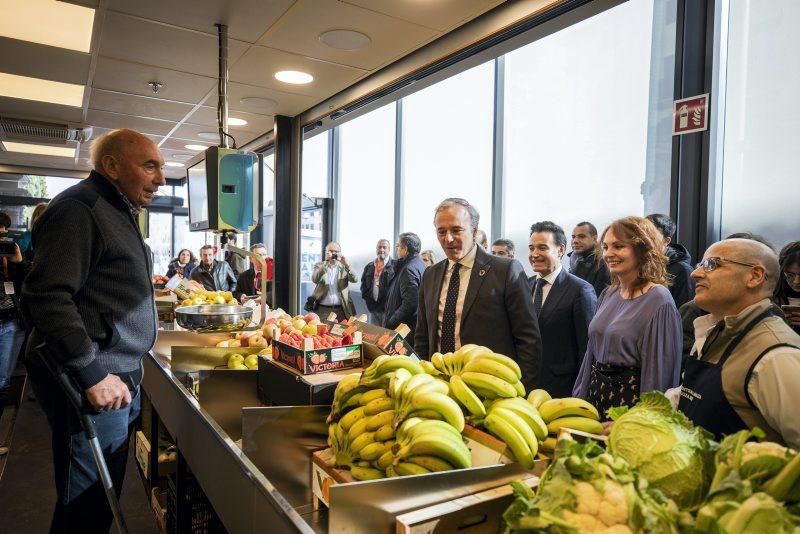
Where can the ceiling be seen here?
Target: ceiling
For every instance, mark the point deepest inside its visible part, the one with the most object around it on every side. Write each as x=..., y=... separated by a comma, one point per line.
x=174, y=43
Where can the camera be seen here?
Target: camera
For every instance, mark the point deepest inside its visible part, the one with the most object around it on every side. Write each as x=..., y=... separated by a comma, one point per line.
x=8, y=246
x=335, y=255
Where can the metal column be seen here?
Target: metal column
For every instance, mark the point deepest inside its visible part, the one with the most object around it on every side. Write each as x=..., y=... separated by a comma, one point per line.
x=288, y=187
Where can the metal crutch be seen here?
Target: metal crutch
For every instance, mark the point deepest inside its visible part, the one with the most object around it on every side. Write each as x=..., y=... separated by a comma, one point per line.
x=75, y=398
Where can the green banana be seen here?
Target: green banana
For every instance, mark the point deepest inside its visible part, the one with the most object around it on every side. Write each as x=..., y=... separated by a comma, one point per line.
x=361, y=441
x=583, y=424
x=379, y=406
x=393, y=363
x=569, y=406
x=492, y=367
x=528, y=413
x=406, y=426
x=370, y=371
x=426, y=414
x=371, y=395
x=491, y=383
x=521, y=426
x=373, y=451
x=376, y=421
x=454, y=452
x=538, y=396
x=466, y=396
x=431, y=463
x=441, y=403
x=503, y=430
x=408, y=468
x=427, y=427
x=366, y=473
x=385, y=432
x=348, y=419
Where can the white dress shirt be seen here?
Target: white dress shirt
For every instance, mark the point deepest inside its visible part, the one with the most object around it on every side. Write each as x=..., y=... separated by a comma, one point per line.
x=549, y=281
x=332, y=297
x=772, y=385
x=467, y=262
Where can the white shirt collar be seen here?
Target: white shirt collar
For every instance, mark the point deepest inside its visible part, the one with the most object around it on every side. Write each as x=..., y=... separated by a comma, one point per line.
x=551, y=278
x=467, y=261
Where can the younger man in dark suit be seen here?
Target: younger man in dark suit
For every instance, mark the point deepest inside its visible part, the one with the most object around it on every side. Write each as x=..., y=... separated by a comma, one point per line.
x=474, y=297
x=564, y=305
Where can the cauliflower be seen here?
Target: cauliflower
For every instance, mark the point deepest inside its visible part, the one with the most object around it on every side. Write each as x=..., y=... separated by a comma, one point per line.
x=609, y=507
x=755, y=449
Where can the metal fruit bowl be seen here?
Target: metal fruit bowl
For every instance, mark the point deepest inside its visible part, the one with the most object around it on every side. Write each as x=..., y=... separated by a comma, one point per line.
x=213, y=317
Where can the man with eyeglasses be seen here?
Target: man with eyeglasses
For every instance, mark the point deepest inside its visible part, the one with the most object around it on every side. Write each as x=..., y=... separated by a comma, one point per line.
x=745, y=364
x=248, y=284
x=333, y=276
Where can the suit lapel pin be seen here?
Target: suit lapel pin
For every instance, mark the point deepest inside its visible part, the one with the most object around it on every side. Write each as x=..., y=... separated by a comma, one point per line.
x=481, y=272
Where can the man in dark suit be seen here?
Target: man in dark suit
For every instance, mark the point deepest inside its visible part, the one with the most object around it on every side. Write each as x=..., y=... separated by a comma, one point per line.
x=403, y=292
x=564, y=305
x=474, y=297
x=375, y=282
x=248, y=284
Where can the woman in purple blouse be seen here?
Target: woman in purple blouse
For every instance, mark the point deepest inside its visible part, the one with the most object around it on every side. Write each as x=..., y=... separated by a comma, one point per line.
x=635, y=336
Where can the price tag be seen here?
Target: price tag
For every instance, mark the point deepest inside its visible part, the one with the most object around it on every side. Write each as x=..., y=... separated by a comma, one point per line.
x=8, y=287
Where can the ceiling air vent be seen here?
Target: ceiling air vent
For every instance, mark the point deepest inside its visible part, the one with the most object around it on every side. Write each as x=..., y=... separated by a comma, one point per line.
x=42, y=132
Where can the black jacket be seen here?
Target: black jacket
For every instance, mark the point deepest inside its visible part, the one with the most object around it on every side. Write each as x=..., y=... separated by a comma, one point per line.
x=592, y=269
x=403, y=294
x=245, y=285
x=368, y=277
x=219, y=278
x=174, y=268
x=679, y=267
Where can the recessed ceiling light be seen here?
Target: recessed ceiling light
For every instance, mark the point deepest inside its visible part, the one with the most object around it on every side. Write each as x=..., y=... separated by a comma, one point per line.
x=258, y=102
x=196, y=147
x=48, y=22
x=41, y=150
x=294, y=77
x=25, y=88
x=233, y=121
x=208, y=135
x=345, y=39
x=182, y=157
x=173, y=164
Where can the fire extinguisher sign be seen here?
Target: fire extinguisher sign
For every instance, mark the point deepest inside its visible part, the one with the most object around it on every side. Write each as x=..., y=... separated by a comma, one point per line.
x=690, y=115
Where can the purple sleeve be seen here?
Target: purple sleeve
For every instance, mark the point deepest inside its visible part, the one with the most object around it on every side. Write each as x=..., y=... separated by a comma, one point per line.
x=660, y=349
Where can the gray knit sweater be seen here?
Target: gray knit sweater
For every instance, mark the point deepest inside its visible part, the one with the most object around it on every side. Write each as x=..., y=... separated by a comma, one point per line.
x=89, y=294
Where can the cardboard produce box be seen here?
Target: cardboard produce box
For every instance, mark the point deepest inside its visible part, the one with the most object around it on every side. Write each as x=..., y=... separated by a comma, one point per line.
x=308, y=360
x=281, y=385
x=377, y=340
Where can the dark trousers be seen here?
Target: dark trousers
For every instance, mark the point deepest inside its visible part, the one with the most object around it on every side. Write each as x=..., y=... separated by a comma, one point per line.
x=82, y=506
x=323, y=312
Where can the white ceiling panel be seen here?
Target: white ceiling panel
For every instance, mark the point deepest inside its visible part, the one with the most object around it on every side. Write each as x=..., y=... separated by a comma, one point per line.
x=390, y=38
x=207, y=116
x=288, y=104
x=105, y=119
x=11, y=107
x=141, y=41
x=259, y=64
x=139, y=106
x=45, y=62
x=127, y=77
x=176, y=144
x=441, y=15
x=246, y=19
x=189, y=133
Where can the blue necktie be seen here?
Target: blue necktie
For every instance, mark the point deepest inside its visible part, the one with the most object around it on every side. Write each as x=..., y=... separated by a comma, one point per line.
x=537, y=295
x=448, y=341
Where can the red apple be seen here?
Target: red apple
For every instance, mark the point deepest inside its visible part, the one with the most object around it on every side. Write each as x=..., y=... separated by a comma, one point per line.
x=311, y=316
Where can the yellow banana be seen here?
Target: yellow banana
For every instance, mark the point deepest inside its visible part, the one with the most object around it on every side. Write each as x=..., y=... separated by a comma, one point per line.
x=549, y=444
x=492, y=367
x=437, y=386
x=466, y=396
x=396, y=383
x=353, y=401
x=408, y=468
x=371, y=395
x=454, y=452
x=520, y=389
x=431, y=463
x=475, y=351
x=499, y=358
x=373, y=451
x=426, y=414
x=538, y=396
x=441, y=403
x=390, y=472
x=438, y=361
x=350, y=418
x=413, y=383
x=370, y=370
x=489, y=383
x=574, y=422
x=385, y=460
x=427, y=427
x=520, y=425
x=385, y=432
x=361, y=441
x=358, y=428
x=366, y=473
x=376, y=421
x=394, y=363
x=524, y=409
x=429, y=368
x=448, y=363
x=379, y=406
x=569, y=406
x=503, y=430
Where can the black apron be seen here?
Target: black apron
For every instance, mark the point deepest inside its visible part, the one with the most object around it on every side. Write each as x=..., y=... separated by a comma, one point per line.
x=613, y=385
x=702, y=397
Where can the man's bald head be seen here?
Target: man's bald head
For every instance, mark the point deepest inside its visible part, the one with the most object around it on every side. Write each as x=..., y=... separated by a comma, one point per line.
x=115, y=143
x=750, y=251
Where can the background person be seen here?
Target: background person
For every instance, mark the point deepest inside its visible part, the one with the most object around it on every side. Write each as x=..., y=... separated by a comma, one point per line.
x=403, y=293
x=679, y=261
x=503, y=248
x=474, y=297
x=238, y=263
x=183, y=264
x=248, y=284
x=96, y=327
x=29, y=253
x=481, y=239
x=375, y=281
x=212, y=274
x=787, y=291
x=12, y=327
x=333, y=276
x=564, y=306
x=635, y=336
x=585, y=260
x=429, y=257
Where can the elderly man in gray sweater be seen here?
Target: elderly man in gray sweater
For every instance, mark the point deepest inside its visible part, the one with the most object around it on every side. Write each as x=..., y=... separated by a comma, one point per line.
x=89, y=299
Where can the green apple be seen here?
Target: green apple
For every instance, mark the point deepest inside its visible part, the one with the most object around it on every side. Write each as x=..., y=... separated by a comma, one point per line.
x=234, y=360
x=251, y=360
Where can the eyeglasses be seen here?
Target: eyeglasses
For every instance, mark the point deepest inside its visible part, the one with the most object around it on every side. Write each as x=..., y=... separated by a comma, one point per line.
x=709, y=264
x=791, y=276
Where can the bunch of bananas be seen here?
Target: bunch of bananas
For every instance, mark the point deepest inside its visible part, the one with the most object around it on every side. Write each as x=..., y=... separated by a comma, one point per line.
x=425, y=396
x=346, y=396
x=519, y=425
x=569, y=413
x=425, y=446
x=382, y=369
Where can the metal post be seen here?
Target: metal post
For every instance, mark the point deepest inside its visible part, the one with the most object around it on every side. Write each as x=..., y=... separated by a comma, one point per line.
x=398, y=170
x=288, y=145
x=498, y=150
x=222, y=88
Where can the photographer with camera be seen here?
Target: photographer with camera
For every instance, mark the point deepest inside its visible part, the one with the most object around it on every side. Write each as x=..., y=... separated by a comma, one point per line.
x=12, y=331
x=332, y=277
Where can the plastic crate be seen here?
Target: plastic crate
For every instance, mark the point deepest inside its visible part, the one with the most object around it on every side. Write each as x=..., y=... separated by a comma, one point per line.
x=202, y=517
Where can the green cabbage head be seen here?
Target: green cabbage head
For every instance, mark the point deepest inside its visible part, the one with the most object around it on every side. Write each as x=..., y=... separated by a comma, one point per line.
x=665, y=448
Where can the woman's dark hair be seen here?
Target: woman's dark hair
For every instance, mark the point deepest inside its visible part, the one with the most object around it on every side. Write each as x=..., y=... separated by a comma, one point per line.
x=192, y=258
x=5, y=220
x=789, y=256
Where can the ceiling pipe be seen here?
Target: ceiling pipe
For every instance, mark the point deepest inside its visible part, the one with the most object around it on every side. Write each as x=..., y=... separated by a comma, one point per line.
x=222, y=86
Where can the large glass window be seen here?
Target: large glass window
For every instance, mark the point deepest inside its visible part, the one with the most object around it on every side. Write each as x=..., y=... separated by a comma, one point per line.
x=160, y=240
x=316, y=183
x=315, y=166
x=447, y=150
x=761, y=166
x=366, y=206
x=186, y=239
x=587, y=121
